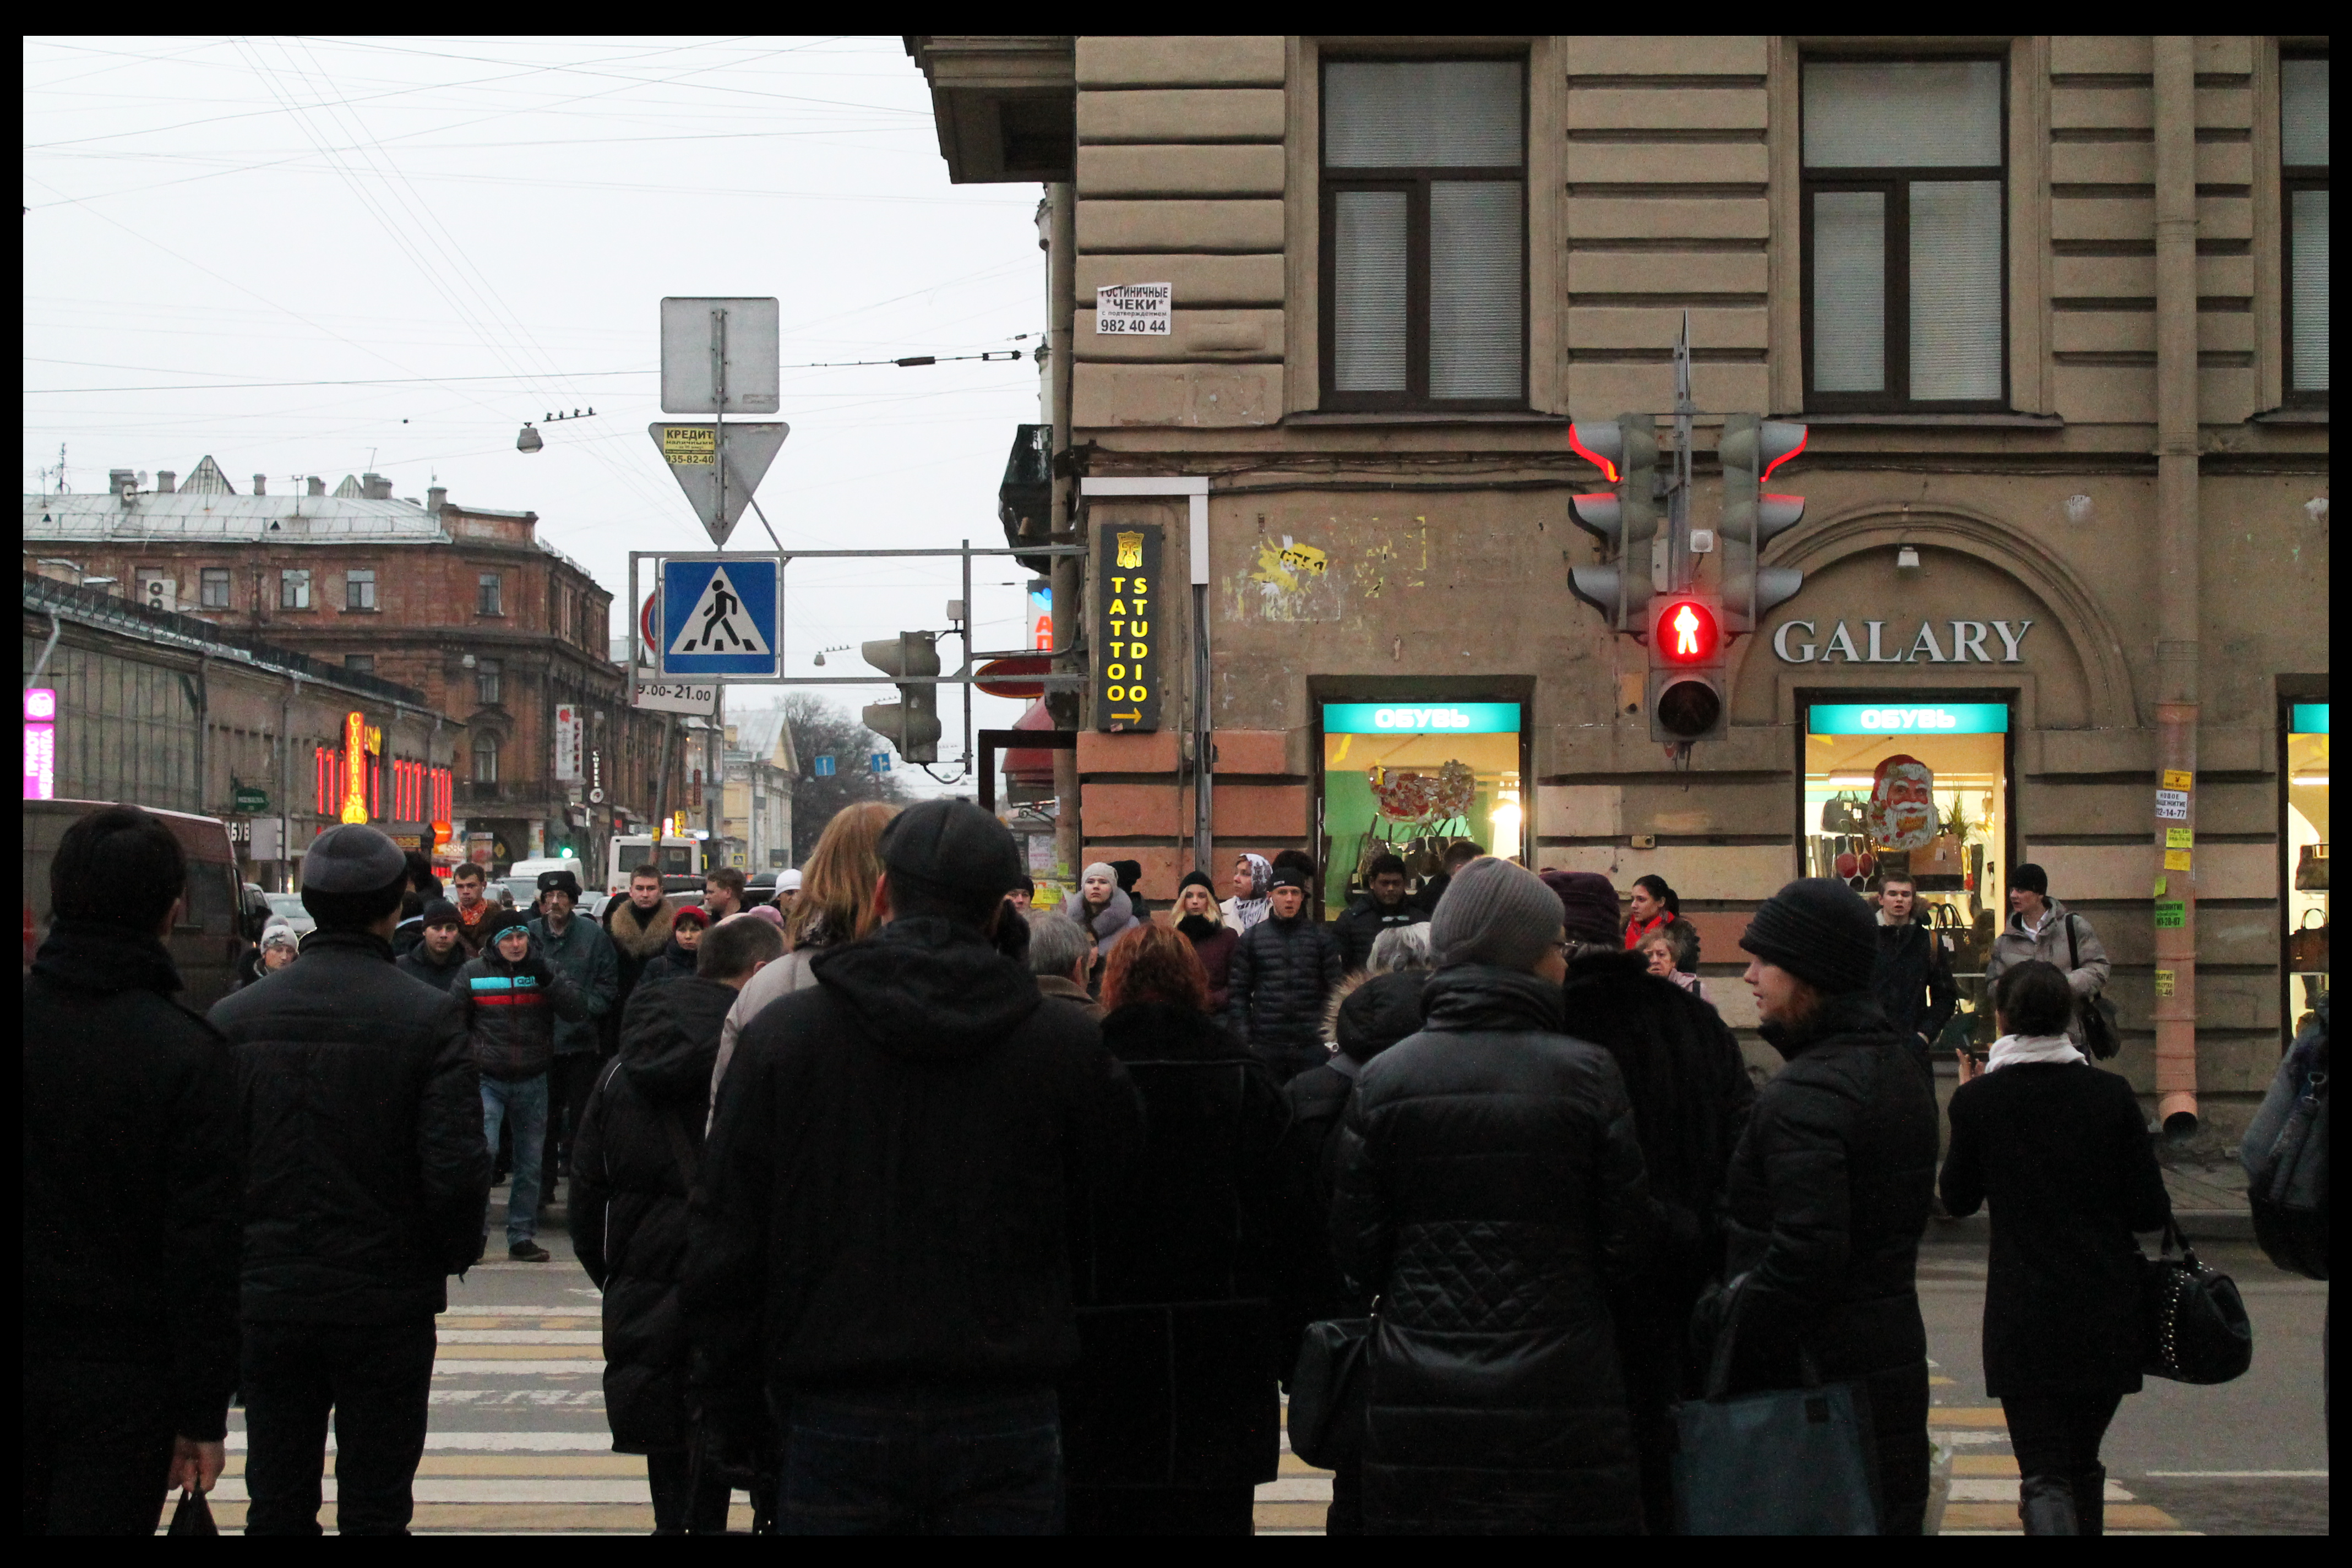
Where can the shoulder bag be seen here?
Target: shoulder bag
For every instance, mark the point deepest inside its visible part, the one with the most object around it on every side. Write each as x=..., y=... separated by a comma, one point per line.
x=2285, y=1153
x=2193, y=1320
x=2101, y=1035
x=1327, y=1392
x=192, y=1517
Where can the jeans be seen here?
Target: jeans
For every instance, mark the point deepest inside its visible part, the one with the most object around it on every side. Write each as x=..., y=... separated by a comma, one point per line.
x=375, y=1379
x=522, y=1102
x=98, y=1443
x=922, y=1461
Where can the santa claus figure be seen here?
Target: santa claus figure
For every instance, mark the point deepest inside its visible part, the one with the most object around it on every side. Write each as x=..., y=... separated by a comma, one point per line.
x=1902, y=810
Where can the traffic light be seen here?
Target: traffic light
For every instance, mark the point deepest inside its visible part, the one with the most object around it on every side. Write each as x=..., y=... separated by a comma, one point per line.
x=1685, y=668
x=911, y=723
x=1751, y=448
x=1626, y=451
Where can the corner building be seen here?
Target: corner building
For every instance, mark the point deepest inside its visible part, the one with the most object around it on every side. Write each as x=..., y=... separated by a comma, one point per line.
x=2054, y=309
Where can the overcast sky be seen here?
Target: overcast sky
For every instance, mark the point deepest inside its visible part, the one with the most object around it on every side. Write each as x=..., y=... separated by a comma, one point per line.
x=479, y=231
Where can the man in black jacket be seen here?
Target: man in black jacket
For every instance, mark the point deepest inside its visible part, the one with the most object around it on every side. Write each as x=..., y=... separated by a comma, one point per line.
x=1383, y=905
x=1913, y=979
x=901, y=1164
x=1832, y=1182
x=438, y=954
x=1283, y=974
x=365, y=1177
x=131, y=1196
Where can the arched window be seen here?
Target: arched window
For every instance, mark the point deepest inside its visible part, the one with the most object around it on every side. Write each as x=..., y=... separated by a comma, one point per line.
x=486, y=759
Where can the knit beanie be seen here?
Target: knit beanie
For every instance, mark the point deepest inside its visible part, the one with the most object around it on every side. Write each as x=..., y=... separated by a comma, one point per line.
x=1819, y=931
x=2031, y=878
x=1287, y=876
x=690, y=914
x=1494, y=912
x=1100, y=869
x=502, y=920
x=439, y=912
x=1196, y=879
x=1587, y=905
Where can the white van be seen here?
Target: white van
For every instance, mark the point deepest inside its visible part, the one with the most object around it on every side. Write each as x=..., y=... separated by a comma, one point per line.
x=532, y=869
x=682, y=862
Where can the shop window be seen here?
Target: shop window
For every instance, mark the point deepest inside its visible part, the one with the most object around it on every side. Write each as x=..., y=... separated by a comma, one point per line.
x=212, y=588
x=489, y=593
x=485, y=682
x=359, y=589
x=2302, y=157
x=1411, y=778
x=294, y=589
x=1424, y=234
x=2305, y=810
x=1905, y=223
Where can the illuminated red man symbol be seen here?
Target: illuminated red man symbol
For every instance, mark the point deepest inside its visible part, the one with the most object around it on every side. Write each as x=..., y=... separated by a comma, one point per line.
x=1686, y=624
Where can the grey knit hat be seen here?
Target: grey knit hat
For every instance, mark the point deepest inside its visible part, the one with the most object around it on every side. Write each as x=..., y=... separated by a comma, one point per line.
x=1819, y=931
x=1494, y=912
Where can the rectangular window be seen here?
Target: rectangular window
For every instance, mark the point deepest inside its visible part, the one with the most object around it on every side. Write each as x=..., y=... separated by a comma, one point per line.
x=487, y=601
x=486, y=759
x=485, y=682
x=359, y=589
x=294, y=589
x=1905, y=225
x=1424, y=234
x=215, y=587
x=2302, y=157
x=359, y=663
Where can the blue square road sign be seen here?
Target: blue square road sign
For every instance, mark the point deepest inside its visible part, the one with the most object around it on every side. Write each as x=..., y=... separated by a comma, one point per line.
x=719, y=617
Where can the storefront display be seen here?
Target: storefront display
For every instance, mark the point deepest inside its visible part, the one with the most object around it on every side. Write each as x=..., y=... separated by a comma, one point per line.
x=2306, y=811
x=1409, y=778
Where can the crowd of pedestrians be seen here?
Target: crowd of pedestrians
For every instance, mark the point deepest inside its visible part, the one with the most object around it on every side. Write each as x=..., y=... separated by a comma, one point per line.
x=914, y=1209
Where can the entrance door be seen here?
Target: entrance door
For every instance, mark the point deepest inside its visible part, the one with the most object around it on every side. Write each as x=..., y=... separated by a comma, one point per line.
x=1413, y=776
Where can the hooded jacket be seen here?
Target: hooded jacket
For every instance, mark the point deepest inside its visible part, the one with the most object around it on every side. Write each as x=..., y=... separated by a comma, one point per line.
x=510, y=1011
x=130, y=1160
x=1491, y=1195
x=361, y=1116
x=1283, y=973
x=2085, y=978
x=1828, y=1193
x=629, y=1197
x=902, y=1161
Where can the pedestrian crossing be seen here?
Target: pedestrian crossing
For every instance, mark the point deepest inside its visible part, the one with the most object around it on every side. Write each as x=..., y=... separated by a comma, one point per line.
x=1977, y=1480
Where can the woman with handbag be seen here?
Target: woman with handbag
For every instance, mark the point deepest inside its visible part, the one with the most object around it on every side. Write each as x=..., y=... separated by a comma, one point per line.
x=2060, y=1150
x=2039, y=927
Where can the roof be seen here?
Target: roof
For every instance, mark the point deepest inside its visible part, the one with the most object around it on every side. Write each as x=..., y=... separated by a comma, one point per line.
x=207, y=516
x=762, y=733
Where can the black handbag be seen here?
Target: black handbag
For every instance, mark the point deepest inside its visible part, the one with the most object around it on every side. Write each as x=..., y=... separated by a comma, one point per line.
x=2194, y=1323
x=192, y=1517
x=1327, y=1393
x=2103, y=1034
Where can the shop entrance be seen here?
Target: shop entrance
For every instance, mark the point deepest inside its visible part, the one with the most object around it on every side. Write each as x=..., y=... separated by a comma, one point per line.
x=1410, y=777
x=2304, y=807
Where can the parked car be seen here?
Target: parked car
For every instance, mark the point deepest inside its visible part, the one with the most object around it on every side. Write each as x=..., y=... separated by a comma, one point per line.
x=255, y=905
x=287, y=907
x=207, y=937
x=525, y=891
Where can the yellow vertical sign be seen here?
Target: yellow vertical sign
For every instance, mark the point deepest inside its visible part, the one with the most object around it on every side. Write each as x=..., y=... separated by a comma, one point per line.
x=1128, y=663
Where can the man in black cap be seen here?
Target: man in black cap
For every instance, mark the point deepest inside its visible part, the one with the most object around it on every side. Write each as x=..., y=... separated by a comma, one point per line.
x=581, y=949
x=2041, y=927
x=438, y=954
x=902, y=1159
x=1832, y=1182
x=1283, y=973
x=365, y=1177
x=1383, y=907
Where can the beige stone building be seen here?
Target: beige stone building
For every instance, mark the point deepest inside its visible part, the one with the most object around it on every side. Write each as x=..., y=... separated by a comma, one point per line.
x=2053, y=309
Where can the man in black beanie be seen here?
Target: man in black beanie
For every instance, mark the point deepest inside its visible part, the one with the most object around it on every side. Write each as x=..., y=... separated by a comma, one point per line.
x=1831, y=1183
x=902, y=1161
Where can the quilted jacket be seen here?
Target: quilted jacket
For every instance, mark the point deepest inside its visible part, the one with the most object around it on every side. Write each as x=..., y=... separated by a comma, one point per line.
x=1282, y=974
x=1491, y=1194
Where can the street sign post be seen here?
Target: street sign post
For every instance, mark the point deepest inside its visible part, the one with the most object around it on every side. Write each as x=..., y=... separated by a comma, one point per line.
x=719, y=467
x=719, y=617
x=660, y=696
x=249, y=801
x=720, y=356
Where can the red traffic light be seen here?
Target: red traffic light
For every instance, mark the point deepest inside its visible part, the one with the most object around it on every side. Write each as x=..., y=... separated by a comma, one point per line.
x=1685, y=631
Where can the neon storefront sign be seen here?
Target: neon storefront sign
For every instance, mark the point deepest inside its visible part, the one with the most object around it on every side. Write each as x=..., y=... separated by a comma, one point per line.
x=1908, y=719
x=1421, y=718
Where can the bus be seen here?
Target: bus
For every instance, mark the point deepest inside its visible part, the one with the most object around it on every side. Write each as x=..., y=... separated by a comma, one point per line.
x=682, y=862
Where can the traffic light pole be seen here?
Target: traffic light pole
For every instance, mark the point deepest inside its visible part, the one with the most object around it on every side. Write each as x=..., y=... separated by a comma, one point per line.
x=1678, y=521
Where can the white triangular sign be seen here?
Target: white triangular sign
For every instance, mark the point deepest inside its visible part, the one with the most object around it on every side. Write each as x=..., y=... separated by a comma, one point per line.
x=719, y=622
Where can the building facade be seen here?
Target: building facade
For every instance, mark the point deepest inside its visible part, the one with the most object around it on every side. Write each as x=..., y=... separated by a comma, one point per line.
x=2052, y=308
x=502, y=633
x=756, y=813
x=161, y=709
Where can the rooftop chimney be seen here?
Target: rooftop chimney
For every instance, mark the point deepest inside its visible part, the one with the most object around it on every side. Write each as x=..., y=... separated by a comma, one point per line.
x=261, y=484
x=435, y=498
x=123, y=483
x=317, y=485
x=165, y=481
x=375, y=486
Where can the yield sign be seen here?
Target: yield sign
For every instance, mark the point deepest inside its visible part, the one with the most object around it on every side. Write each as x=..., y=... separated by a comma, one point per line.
x=719, y=617
x=700, y=457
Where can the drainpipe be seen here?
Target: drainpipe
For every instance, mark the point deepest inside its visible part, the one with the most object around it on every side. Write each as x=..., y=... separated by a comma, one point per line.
x=286, y=781
x=2177, y=564
x=1068, y=572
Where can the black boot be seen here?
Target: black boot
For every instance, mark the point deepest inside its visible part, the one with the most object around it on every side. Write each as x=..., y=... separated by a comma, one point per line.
x=2047, y=1504
x=2091, y=1500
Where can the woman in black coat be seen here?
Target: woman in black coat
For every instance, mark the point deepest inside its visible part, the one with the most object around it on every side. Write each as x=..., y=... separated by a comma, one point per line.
x=2059, y=1150
x=1172, y=1419
x=1491, y=1195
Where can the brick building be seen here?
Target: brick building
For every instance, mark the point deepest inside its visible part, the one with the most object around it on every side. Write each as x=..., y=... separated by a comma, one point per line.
x=496, y=628
x=2054, y=308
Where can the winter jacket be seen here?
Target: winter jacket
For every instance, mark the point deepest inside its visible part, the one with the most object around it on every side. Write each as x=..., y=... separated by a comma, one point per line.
x=1108, y=924
x=1062, y=988
x=2015, y=945
x=131, y=1183
x=637, y=937
x=360, y=1115
x=629, y=1196
x=407, y=935
x=1828, y=1193
x=1491, y=1195
x=1914, y=983
x=1637, y=932
x=673, y=963
x=1176, y=1379
x=585, y=956
x=1213, y=942
x=470, y=934
x=778, y=980
x=2061, y=1153
x=1361, y=924
x=1430, y=891
x=510, y=1011
x=418, y=960
x=1282, y=974
x=902, y=1162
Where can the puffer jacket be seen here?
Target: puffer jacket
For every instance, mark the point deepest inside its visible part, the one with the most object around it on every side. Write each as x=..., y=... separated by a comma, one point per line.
x=629, y=1197
x=510, y=1011
x=2085, y=978
x=1827, y=1194
x=361, y=1119
x=1491, y=1195
x=1282, y=975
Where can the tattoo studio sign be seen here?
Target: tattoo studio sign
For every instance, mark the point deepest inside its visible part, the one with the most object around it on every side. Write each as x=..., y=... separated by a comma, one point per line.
x=1885, y=642
x=1127, y=652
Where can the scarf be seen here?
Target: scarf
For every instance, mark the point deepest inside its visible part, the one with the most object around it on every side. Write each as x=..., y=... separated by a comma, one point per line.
x=1253, y=909
x=2009, y=1050
x=1199, y=927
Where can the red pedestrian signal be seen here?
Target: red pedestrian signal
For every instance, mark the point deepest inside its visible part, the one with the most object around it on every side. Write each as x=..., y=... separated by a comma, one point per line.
x=1686, y=632
x=1686, y=676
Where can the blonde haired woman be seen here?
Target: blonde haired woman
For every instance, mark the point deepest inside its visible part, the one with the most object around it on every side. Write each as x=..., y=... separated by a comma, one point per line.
x=836, y=904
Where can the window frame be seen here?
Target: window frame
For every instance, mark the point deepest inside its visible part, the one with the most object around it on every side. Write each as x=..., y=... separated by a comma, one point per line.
x=490, y=677
x=490, y=593
x=359, y=663
x=1415, y=182
x=1895, y=182
x=286, y=578
x=2294, y=178
x=207, y=577
x=486, y=745
x=356, y=577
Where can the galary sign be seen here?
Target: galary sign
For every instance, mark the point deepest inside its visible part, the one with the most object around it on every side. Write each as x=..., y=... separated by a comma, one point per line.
x=1800, y=642
x=1127, y=650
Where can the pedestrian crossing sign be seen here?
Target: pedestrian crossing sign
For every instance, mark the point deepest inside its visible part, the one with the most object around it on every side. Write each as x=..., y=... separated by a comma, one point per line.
x=719, y=617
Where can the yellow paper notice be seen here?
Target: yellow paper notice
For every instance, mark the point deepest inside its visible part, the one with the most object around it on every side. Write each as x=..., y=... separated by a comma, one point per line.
x=2174, y=778
x=2179, y=838
x=2176, y=860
